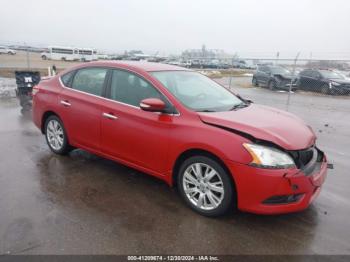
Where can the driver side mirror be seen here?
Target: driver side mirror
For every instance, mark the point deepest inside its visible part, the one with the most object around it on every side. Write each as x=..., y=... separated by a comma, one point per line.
x=152, y=105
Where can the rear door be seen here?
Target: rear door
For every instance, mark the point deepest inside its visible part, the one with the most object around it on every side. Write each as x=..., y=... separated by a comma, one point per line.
x=264, y=75
x=311, y=81
x=128, y=133
x=81, y=106
x=259, y=74
x=306, y=80
x=317, y=81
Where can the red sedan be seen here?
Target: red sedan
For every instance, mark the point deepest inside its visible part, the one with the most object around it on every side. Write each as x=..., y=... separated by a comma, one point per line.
x=220, y=150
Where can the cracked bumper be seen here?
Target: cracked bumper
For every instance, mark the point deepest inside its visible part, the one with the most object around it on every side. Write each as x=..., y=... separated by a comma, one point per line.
x=255, y=185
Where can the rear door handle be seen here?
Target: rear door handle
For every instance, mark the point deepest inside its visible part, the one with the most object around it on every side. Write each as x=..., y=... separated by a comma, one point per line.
x=109, y=116
x=65, y=103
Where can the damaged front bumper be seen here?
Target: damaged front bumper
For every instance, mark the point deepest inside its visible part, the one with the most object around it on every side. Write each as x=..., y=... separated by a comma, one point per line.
x=268, y=191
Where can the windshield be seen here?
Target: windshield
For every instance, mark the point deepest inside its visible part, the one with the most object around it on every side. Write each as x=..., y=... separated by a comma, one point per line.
x=198, y=92
x=279, y=70
x=331, y=74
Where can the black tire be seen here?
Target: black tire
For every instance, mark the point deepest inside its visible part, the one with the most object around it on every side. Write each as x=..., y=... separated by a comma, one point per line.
x=255, y=82
x=44, y=57
x=65, y=148
x=229, y=196
x=325, y=89
x=272, y=85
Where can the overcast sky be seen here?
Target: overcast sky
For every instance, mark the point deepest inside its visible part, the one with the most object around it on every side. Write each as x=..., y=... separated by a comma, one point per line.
x=245, y=26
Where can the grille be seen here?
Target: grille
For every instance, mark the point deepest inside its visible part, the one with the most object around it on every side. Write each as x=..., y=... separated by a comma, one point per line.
x=303, y=157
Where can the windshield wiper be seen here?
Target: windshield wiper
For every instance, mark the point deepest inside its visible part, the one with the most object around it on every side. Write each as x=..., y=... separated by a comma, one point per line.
x=205, y=110
x=238, y=106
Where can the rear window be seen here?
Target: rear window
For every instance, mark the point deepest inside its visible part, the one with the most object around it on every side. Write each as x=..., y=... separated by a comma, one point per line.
x=67, y=78
x=90, y=80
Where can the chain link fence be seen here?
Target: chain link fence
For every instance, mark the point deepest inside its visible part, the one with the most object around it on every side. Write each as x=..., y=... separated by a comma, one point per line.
x=314, y=81
x=329, y=79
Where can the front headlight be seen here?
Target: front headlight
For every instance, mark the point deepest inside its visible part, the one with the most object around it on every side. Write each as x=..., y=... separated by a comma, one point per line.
x=333, y=84
x=268, y=157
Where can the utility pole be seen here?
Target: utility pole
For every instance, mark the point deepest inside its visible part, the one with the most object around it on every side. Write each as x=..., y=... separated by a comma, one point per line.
x=292, y=79
x=27, y=54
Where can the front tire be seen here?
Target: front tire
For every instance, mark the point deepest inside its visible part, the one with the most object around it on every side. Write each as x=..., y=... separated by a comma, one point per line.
x=56, y=136
x=205, y=186
x=255, y=82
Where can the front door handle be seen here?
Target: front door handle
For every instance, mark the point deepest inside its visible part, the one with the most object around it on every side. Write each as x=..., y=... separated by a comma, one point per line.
x=65, y=103
x=109, y=116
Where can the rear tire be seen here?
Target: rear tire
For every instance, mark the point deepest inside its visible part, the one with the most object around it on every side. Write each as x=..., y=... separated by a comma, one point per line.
x=272, y=85
x=205, y=186
x=56, y=136
x=44, y=57
x=325, y=89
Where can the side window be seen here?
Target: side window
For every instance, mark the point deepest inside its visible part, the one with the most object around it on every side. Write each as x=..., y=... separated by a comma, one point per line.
x=67, y=78
x=264, y=69
x=90, y=80
x=315, y=74
x=130, y=89
x=305, y=73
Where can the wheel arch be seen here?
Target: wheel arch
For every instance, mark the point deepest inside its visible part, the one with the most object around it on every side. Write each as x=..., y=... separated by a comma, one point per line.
x=198, y=152
x=45, y=116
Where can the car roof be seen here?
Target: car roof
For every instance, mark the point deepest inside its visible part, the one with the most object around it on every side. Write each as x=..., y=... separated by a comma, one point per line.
x=138, y=65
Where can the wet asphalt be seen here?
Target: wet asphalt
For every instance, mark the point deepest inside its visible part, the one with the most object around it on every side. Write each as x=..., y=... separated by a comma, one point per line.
x=83, y=204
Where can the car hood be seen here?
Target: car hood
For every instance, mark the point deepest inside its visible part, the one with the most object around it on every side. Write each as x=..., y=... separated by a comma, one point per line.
x=287, y=76
x=265, y=123
x=340, y=81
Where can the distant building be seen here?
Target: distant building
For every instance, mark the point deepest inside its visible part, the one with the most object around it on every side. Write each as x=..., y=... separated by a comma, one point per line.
x=203, y=53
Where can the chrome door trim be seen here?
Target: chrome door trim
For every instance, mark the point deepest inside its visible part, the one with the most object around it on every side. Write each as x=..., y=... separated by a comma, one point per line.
x=108, y=99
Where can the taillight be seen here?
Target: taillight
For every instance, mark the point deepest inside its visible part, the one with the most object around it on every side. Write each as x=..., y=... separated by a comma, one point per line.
x=35, y=90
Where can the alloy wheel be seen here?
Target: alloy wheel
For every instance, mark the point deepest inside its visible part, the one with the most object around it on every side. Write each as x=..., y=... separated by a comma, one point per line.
x=55, y=134
x=203, y=186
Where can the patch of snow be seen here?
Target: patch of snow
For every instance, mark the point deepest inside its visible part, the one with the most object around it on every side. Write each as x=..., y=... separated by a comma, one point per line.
x=7, y=87
x=247, y=74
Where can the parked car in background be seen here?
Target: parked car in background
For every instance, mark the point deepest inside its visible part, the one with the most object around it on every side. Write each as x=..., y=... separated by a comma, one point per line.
x=220, y=150
x=242, y=64
x=273, y=77
x=5, y=50
x=195, y=63
x=323, y=81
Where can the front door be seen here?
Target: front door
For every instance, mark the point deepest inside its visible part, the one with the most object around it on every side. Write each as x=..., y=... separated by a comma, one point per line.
x=128, y=133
